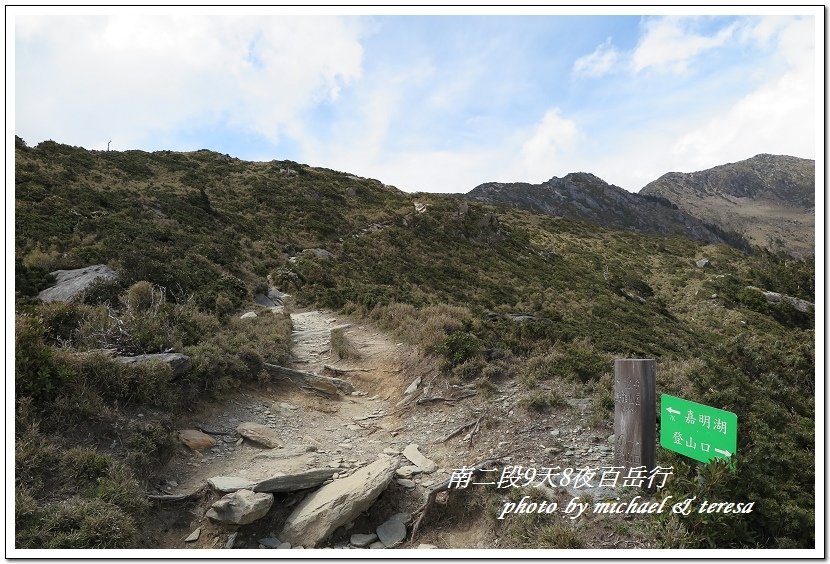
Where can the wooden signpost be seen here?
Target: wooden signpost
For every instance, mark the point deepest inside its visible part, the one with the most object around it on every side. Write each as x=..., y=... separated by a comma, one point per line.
x=634, y=413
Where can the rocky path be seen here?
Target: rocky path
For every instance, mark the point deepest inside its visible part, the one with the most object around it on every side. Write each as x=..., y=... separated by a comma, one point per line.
x=400, y=399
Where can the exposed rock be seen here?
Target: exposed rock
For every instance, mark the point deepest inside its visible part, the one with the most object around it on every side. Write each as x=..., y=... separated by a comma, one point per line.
x=70, y=284
x=285, y=545
x=179, y=363
x=403, y=517
x=338, y=503
x=307, y=379
x=360, y=540
x=194, y=536
x=196, y=440
x=248, y=315
x=229, y=484
x=408, y=471
x=425, y=546
x=404, y=483
x=321, y=254
x=426, y=465
x=231, y=539
x=702, y=263
x=413, y=386
x=377, y=545
x=273, y=298
x=270, y=542
x=293, y=482
x=391, y=532
x=775, y=298
x=260, y=434
x=240, y=507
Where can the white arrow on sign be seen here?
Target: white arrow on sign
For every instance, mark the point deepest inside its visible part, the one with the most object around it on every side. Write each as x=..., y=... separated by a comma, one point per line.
x=672, y=410
x=723, y=452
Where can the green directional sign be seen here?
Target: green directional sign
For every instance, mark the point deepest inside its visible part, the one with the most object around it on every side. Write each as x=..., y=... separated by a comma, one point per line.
x=696, y=430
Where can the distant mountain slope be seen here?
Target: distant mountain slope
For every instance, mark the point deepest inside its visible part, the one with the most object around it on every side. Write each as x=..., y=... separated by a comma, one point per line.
x=770, y=199
x=583, y=196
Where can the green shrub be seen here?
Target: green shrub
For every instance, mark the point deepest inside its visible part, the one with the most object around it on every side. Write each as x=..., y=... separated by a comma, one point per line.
x=78, y=523
x=542, y=401
x=36, y=373
x=460, y=347
x=752, y=299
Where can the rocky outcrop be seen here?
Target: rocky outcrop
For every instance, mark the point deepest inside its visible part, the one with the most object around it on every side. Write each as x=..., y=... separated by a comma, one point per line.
x=338, y=503
x=71, y=284
x=583, y=196
x=774, y=298
x=240, y=508
x=769, y=199
x=179, y=363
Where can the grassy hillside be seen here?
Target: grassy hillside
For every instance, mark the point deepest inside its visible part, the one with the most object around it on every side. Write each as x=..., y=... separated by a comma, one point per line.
x=193, y=237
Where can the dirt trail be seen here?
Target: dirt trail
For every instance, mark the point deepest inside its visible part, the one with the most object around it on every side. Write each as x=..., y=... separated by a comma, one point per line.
x=347, y=432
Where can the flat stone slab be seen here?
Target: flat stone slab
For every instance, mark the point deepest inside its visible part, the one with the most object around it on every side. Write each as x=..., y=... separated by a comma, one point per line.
x=194, y=536
x=229, y=484
x=71, y=284
x=391, y=532
x=196, y=440
x=270, y=542
x=360, y=540
x=260, y=434
x=293, y=482
x=338, y=503
x=408, y=471
x=414, y=455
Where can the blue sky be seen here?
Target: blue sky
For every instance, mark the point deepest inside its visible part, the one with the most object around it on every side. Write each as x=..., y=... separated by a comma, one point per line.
x=427, y=103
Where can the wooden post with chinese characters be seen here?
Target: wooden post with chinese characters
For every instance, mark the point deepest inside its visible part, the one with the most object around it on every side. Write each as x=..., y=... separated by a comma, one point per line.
x=634, y=413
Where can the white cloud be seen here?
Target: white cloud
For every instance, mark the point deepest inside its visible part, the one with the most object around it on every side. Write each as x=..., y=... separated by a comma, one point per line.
x=128, y=78
x=554, y=138
x=602, y=61
x=668, y=44
x=777, y=117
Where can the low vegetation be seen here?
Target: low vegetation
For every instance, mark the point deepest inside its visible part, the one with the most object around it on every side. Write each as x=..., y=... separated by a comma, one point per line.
x=496, y=293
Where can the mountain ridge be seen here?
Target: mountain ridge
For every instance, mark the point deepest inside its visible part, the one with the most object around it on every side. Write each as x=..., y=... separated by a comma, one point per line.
x=770, y=199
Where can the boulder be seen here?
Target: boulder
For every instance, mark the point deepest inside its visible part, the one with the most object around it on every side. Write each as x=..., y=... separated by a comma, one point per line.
x=273, y=298
x=194, y=536
x=338, y=503
x=240, y=507
x=196, y=440
x=293, y=482
x=391, y=532
x=361, y=540
x=249, y=315
x=179, y=363
x=414, y=455
x=70, y=284
x=702, y=263
x=229, y=484
x=260, y=434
